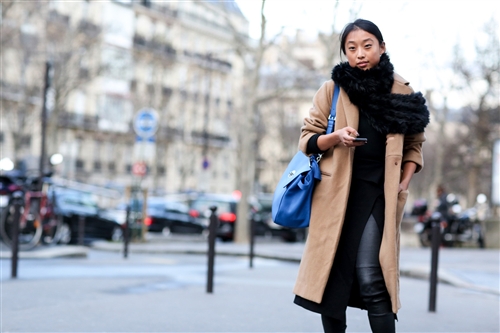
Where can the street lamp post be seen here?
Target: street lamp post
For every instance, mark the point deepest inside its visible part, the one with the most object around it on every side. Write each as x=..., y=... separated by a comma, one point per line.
x=48, y=82
x=205, y=162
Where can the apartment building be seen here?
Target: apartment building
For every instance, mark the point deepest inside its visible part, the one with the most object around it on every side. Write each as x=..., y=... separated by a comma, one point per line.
x=173, y=57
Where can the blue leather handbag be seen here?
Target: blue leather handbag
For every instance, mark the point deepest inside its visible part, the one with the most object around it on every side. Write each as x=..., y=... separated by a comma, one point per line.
x=293, y=195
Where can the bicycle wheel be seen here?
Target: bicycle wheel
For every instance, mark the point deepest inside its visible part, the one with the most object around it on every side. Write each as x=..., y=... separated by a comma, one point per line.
x=51, y=229
x=30, y=232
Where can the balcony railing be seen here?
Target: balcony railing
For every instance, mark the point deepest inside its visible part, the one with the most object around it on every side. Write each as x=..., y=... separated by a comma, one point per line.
x=211, y=139
x=207, y=60
x=76, y=120
x=155, y=46
x=170, y=133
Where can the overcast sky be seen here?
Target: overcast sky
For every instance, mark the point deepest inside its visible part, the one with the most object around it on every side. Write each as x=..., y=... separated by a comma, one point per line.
x=419, y=34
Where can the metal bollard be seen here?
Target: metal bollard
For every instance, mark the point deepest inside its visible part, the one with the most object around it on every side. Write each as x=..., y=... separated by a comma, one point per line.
x=15, y=236
x=81, y=229
x=252, y=241
x=436, y=242
x=126, y=232
x=214, y=221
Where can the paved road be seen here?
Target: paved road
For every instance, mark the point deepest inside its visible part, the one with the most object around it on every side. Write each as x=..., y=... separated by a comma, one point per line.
x=165, y=292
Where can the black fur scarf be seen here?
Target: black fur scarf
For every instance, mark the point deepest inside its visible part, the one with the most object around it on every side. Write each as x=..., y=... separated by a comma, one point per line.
x=370, y=90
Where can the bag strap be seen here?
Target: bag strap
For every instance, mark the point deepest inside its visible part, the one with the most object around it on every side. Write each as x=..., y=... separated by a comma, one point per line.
x=333, y=111
x=332, y=116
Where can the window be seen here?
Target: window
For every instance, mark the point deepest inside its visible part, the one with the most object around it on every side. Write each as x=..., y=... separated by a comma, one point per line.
x=26, y=140
x=115, y=113
x=97, y=150
x=80, y=100
x=117, y=63
x=79, y=164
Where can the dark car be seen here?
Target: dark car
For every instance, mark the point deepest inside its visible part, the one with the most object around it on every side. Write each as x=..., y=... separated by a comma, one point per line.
x=169, y=216
x=75, y=206
x=287, y=234
x=226, y=204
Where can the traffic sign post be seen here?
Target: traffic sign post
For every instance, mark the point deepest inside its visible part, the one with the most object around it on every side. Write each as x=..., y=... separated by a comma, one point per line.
x=145, y=126
x=146, y=123
x=139, y=169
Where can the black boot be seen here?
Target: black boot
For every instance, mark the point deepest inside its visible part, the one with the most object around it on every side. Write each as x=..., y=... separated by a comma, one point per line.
x=333, y=325
x=382, y=323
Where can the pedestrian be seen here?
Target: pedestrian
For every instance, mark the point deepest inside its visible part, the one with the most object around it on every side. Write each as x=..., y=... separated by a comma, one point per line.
x=351, y=257
x=442, y=205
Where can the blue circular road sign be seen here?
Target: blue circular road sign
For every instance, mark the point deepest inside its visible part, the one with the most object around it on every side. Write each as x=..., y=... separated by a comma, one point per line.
x=146, y=122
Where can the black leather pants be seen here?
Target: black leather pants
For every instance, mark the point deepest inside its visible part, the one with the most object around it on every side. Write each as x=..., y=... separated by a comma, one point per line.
x=372, y=285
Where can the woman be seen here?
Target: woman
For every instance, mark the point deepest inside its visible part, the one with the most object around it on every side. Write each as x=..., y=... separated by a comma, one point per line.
x=351, y=257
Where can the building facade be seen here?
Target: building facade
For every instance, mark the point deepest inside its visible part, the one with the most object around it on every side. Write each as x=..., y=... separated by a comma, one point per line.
x=173, y=57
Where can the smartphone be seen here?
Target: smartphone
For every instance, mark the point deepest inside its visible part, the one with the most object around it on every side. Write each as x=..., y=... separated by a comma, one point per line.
x=365, y=140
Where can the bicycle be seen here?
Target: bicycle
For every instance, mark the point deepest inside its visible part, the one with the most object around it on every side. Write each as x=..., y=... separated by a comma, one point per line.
x=38, y=221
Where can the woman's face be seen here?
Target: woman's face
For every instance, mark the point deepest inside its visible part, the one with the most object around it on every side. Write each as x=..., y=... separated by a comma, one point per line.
x=363, y=49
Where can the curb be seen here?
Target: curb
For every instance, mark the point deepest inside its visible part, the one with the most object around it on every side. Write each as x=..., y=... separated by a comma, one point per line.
x=423, y=273
x=200, y=250
x=60, y=251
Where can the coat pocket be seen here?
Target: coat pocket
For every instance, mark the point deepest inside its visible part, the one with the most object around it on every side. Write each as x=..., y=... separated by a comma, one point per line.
x=402, y=197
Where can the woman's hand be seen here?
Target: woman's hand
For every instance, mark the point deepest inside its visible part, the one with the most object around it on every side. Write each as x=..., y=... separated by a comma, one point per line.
x=408, y=171
x=343, y=136
x=403, y=186
x=346, y=136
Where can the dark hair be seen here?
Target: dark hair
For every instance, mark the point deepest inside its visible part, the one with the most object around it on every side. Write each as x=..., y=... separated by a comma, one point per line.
x=365, y=25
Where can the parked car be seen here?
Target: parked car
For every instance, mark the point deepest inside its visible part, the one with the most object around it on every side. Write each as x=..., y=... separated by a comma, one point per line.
x=265, y=201
x=200, y=203
x=168, y=216
x=72, y=205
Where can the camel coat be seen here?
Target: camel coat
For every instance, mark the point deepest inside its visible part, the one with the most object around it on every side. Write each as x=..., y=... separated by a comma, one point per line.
x=332, y=192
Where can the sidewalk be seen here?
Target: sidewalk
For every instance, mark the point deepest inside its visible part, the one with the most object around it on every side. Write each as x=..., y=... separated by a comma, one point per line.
x=160, y=287
x=473, y=269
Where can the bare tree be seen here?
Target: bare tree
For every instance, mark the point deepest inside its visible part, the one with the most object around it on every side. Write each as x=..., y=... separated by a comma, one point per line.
x=73, y=50
x=20, y=92
x=481, y=80
x=252, y=59
x=37, y=35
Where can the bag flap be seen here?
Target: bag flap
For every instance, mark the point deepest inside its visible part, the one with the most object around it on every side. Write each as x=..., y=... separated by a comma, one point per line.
x=299, y=164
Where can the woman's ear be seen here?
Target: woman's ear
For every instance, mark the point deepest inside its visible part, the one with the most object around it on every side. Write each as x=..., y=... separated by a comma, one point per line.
x=382, y=48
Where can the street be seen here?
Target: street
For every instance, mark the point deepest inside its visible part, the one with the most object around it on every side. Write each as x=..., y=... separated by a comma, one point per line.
x=166, y=293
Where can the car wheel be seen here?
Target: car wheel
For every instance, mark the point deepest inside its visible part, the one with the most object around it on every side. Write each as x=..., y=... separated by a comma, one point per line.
x=64, y=234
x=117, y=234
x=166, y=231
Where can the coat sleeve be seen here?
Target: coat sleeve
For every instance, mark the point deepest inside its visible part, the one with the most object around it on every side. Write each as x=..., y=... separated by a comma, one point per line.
x=317, y=121
x=412, y=150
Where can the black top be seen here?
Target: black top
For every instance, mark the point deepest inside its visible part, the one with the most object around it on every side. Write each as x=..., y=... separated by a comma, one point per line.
x=369, y=159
